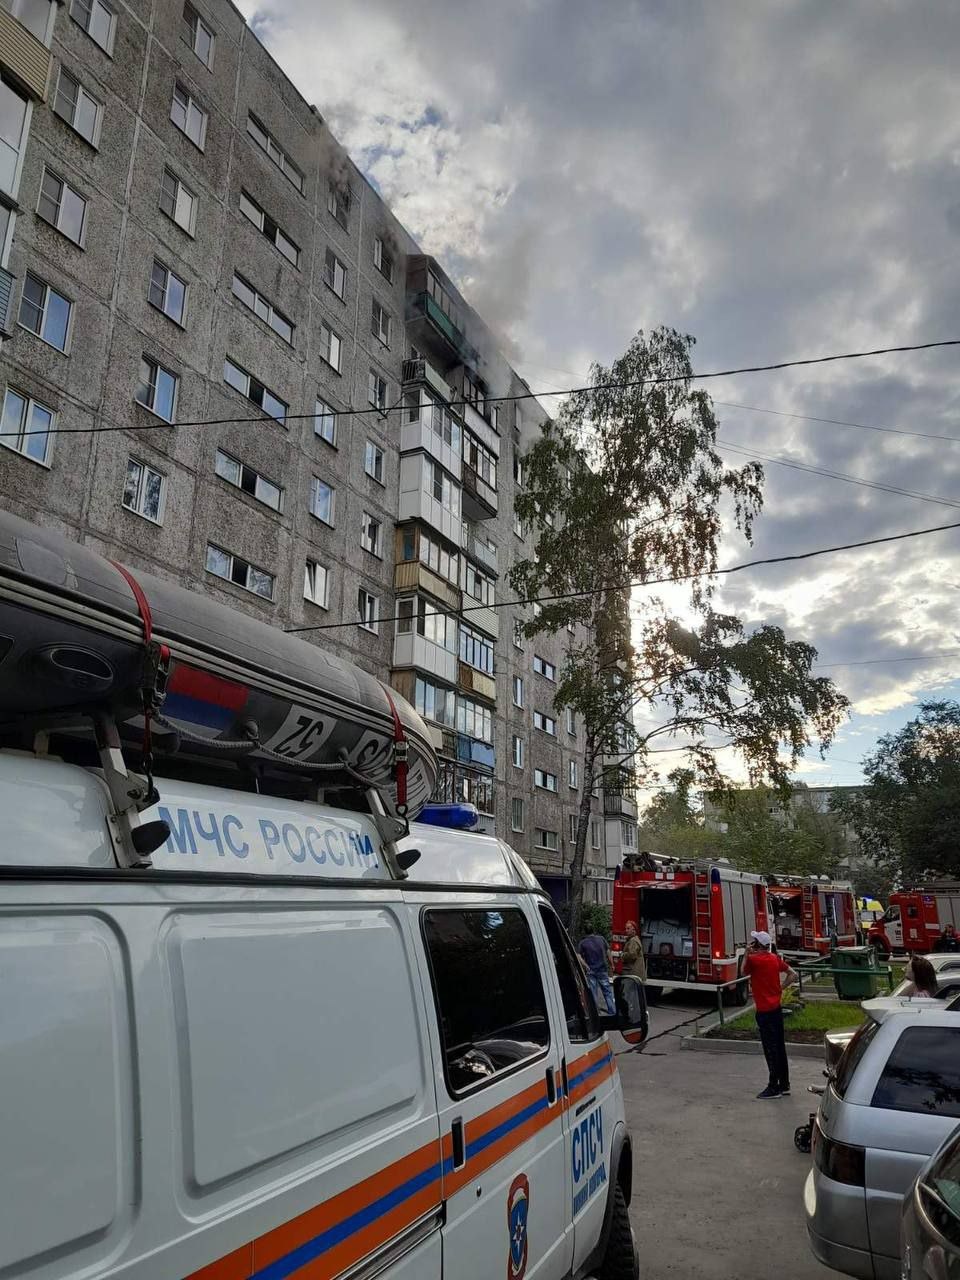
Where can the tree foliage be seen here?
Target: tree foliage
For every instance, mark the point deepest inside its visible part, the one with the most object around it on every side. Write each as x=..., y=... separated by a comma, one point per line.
x=627, y=487
x=908, y=815
x=769, y=835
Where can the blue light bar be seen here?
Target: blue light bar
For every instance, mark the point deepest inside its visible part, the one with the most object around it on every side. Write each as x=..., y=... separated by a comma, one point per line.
x=460, y=817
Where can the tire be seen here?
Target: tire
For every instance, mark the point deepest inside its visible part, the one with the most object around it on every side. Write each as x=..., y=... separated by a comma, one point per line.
x=801, y=1137
x=621, y=1260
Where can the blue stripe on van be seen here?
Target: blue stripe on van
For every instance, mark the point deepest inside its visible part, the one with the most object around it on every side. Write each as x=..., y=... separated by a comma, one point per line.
x=305, y=1253
x=588, y=1071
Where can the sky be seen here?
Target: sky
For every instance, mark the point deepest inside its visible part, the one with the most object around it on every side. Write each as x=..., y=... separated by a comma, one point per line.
x=778, y=178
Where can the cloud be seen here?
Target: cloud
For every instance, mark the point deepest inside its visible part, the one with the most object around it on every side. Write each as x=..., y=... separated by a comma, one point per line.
x=779, y=179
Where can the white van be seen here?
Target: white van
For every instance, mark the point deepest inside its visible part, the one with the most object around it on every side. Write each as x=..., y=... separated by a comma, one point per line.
x=265, y=1057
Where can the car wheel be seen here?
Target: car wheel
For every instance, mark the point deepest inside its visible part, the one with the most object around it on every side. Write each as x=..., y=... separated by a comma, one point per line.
x=802, y=1136
x=621, y=1261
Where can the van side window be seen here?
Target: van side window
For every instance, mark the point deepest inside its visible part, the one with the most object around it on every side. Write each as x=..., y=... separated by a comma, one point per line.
x=578, y=1007
x=488, y=992
x=922, y=1073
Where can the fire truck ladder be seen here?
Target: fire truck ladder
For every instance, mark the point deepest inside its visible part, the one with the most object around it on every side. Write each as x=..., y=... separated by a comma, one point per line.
x=808, y=929
x=703, y=925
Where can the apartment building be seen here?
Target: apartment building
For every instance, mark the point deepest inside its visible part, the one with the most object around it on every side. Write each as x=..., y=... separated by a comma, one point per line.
x=226, y=362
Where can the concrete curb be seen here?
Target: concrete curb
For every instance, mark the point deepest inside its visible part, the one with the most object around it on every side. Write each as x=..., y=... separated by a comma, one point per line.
x=703, y=1045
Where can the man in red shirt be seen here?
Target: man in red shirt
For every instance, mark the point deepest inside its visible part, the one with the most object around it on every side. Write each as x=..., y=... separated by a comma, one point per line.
x=765, y=971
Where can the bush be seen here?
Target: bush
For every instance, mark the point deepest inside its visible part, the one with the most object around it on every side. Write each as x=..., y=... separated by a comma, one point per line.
x=596, y=918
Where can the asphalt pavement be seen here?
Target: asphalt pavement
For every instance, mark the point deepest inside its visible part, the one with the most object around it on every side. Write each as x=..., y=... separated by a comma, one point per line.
x=718, y=1183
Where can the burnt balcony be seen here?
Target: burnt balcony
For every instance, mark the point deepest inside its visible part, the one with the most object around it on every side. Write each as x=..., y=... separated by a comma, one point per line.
x=423, y=371
x=479, y=498
x=475, y=544
x=616, y=805
x=432, y=324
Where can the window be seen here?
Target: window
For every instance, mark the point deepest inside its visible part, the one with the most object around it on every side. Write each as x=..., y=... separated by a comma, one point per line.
x=13, y=119
x=254, y=391
x=480, y=460
x=382, y=260
x=517, y=751
x=189, y=118
x=335, y=274
x=418, y=545
x=477, y=584
x=436, y=417
x=98, y=21
x=250, y=481
x=257, y=303
x=157, y=389
x=578, y=1008
x=922, y=1073
x=573, y=821
x=518, y=528
x=546, y=724
x=268, y=143
x=476, y=650
x=516, y=814
x=380, y=323
x=518, y=636
x=518, y=691
x=377, y=391
x=338, y=203
x=143, y=491
x=572, y=774
x=81, y=110
x=443, y=300
x=544, y=780
x=197, y=35
x=61, y=206
x=373, y=461
x=368, y=608
x=571, y=722
x=434, y=702
x=628, y=835
x=545, y=839
x=595, y=833
x=517, y=469
x=265, y=224
x=168, y=293
x=474, y=719
x=431, y=623
x=178, y=202
x=325, y=421
x=26, y=426
x=45, y=312
x=852, y=1055
x=544, y=668
x=441, y=487
x=330, y=347
x=322, y=498
x=34, y=14
x=232, y=569
x=486, y=984
x=371, y=532
x=316, y=583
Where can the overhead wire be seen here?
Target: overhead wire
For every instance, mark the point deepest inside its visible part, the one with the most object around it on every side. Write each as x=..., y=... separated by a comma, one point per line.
x=659, y=380
x=651, y=582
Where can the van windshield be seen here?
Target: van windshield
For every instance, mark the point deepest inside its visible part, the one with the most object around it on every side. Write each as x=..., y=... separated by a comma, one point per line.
x=852, y=1056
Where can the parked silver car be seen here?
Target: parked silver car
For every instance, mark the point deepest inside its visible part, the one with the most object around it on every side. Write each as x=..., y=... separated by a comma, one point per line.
x=948, y=990
x=931, y=1218
x=893, y=1099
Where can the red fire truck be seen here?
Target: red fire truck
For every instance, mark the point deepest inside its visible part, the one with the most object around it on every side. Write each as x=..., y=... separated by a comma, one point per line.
x=694, y=919
x=916, y=918
x=811, y=914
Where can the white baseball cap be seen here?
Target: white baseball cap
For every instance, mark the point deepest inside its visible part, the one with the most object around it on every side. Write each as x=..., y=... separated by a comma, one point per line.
x=761, y=936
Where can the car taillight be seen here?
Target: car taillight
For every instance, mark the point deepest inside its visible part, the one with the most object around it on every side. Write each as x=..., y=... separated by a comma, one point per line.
x=838, y=1160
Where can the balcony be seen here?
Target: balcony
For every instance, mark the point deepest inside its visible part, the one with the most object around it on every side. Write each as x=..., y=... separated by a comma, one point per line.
x=618, y=806
x=474, y=751
x=411, y=650
x=432, y=320
x=477, y=548
x=473, y=681
x=7, y=282
x=423, y=371
x=411, y=575
x=479, y=498
x=23, y=56
x=417, y=504
x=482, y=429
x=482, y=617
x=418, y=436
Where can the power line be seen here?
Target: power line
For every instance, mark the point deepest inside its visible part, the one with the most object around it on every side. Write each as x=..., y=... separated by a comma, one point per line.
x=810, y=469
x=839, y=422
x=526, y=395
x=650, y=582
x=909, y=657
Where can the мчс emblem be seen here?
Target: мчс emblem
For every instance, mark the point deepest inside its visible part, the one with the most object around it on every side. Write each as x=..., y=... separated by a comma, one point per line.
x=518, y=1207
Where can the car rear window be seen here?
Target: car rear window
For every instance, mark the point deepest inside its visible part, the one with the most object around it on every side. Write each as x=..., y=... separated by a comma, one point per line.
x=922, y=1073
x=852, y=1055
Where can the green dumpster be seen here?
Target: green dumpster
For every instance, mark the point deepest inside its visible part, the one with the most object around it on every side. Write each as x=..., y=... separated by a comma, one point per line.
x=858, y=978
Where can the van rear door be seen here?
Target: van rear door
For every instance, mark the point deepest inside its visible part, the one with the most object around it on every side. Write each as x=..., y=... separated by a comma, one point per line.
x=497, y=1074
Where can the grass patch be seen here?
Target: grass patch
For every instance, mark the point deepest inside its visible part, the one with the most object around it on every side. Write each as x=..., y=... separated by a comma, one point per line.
x=803, y=1025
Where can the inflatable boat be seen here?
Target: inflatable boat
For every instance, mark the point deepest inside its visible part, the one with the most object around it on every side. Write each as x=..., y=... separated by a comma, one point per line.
x=81, y=636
